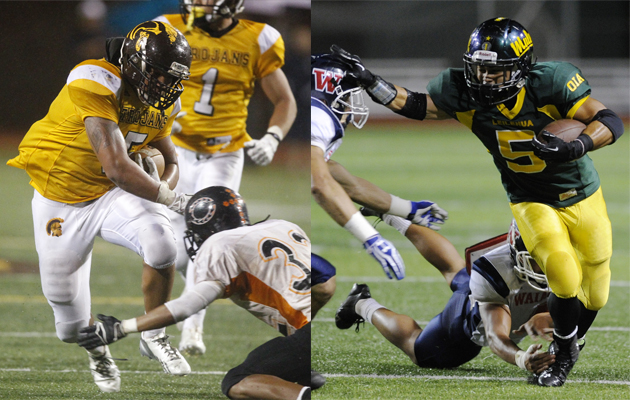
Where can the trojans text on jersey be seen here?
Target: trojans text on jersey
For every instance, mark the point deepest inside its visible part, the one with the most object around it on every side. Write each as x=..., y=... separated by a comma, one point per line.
x=143, y=116
x=224, y=56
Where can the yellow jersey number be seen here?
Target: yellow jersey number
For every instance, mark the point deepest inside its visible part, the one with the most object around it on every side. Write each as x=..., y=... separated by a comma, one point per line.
x=507, y=140
x=204, y=105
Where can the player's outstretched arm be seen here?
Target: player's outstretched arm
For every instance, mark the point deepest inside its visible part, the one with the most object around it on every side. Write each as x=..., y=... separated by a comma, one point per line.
x=498, y=321
x=424, y=213
x=335, y=201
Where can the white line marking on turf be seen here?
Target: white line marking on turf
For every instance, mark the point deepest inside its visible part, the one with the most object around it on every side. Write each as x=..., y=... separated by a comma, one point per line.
x=466, y=378
x=64, y=371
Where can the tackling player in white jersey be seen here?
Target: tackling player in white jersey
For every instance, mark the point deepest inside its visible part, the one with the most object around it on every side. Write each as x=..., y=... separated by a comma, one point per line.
x=505, y=289
x=264, y=268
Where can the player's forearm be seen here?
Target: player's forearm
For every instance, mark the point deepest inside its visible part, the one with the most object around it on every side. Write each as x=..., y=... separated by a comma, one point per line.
x=155, y=319
x=360, y=190
x=333, y=199
x=284, y=113
x=504, y=347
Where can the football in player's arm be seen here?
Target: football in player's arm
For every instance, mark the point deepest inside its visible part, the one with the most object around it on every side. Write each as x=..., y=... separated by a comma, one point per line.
x=264, y=268
x=499, y=95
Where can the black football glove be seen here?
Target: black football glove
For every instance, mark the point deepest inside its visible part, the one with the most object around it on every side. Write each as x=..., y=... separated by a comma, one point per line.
x=379, y=90
x=558, y=150
x=101, y=333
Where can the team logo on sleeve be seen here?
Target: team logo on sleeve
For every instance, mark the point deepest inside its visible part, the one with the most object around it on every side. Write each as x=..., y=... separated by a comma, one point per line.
x=53, y=227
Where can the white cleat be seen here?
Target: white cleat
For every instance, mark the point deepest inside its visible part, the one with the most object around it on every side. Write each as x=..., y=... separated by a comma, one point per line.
x=159, y=348
x=105, y=372
x=192, y=342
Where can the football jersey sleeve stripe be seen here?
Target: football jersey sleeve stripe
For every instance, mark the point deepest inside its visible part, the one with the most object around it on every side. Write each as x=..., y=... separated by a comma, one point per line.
x=98, y=75
x=268, y=36
x=489, y=273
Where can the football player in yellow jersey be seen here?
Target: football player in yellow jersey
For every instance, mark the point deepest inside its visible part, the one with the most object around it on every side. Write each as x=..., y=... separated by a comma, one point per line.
x=86, y=185
x=228, y=57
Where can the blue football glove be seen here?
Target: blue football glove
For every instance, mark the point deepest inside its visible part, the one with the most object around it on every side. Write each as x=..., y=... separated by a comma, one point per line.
x=386, y=254
x=428, y=214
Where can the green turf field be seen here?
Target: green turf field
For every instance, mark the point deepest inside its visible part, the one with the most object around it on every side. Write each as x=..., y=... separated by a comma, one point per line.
x=37, y=365
x=448, y=165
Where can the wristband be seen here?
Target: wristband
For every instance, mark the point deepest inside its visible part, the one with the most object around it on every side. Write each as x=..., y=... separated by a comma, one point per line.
x=360, y=227
x=519, y=359
x=276, y=132
x=129, y=325
x=165, y=195
x=399, y=207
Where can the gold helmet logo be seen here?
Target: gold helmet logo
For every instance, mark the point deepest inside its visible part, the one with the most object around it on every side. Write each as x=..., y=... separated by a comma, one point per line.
x=53, y=227
x=144, y=31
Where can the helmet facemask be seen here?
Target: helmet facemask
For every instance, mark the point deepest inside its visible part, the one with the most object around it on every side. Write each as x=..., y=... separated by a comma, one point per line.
x=192, y=10
x=154, y=60
x=155, y=87
x=523, y=261
x=350, y=102
x=488, y=94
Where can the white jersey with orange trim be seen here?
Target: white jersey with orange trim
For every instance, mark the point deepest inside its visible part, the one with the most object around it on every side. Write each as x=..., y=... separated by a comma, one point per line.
x=265, y=268
x=223, y=72
x=56, y=151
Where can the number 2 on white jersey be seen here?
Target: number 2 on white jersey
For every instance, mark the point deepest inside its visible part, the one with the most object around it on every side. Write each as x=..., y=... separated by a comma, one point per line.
x=204, y=106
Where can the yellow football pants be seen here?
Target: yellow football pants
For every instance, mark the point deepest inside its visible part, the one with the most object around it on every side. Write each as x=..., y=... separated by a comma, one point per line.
x=573, y=246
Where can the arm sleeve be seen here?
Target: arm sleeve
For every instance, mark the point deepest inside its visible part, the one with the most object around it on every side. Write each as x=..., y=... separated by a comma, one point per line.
x=196, y=299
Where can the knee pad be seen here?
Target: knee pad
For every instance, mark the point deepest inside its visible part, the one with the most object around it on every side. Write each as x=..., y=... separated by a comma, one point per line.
x=322, y=270
x=563, y=274
x=69, y=331
x=60, y=275
x=158, y=246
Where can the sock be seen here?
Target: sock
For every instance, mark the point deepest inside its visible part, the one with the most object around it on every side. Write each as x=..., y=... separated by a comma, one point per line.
x=399, y=223
x=586, y=320
x=97, y=351
x=366, y=308
x=147, y=335
x=565, y=314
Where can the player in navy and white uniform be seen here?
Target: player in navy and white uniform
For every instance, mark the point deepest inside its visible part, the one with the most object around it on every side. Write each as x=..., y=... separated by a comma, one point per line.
x=335, y=103
x=502, y=291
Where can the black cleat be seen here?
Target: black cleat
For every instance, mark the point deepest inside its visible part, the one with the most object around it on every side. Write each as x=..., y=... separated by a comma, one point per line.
x=566, y=357
x=346, y=316
x=317, y=380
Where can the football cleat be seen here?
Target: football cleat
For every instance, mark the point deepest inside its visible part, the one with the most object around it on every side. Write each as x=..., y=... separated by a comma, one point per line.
x=105, y=372
x=317, y=380
x=346, y=316
x=159, y=348
x=191, y=343
x=566, y=357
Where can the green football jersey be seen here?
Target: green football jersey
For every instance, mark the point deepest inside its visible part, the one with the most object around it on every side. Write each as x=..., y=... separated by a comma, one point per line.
x=553, y=90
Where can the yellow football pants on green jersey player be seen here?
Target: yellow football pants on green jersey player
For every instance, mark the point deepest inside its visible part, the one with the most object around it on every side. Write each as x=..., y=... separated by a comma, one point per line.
x=573, y=246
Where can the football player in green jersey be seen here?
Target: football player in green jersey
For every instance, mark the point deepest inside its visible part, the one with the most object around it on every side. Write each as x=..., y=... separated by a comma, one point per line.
x=505, y=98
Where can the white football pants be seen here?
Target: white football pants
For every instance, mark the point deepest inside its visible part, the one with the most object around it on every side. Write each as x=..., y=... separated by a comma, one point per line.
x=64, y=238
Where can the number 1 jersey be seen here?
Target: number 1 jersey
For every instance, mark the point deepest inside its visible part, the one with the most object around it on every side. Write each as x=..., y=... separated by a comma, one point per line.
x=222, y=75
